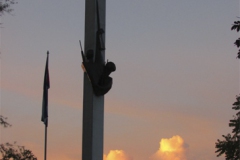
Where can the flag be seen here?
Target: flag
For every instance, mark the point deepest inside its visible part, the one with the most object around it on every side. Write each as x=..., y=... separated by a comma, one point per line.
x=46, y=86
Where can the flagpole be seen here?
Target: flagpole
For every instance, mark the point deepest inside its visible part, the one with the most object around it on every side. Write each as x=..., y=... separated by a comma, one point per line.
x=45, y=146
x=44, y=119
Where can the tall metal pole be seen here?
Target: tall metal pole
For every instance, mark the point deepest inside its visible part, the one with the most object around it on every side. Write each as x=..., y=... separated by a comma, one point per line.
x=93, y=106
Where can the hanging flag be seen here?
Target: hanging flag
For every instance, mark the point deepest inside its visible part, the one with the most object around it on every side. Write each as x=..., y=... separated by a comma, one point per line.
x=46, y=86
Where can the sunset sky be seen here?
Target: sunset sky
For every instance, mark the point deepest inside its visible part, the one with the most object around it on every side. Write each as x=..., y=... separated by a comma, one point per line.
x=176, y=80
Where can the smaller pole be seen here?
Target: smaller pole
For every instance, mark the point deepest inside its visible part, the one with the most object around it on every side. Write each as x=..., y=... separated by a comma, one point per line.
x=45, y=147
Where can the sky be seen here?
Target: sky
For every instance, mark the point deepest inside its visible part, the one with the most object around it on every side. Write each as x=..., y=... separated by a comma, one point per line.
x=177, y=77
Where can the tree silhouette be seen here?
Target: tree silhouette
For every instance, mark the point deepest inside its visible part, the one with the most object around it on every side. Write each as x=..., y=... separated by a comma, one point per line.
x=236, y=26
x=5, y=6
x=16, y=152
x=3, y=122
x=13, y=151
x=230, y=146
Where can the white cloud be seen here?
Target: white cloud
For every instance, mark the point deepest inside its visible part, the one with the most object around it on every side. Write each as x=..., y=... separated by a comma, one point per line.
x=171, y=149
x=117, y=155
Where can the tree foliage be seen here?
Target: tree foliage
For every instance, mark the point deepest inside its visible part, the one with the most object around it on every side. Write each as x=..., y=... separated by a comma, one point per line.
x=236, y=26
x=16, y=152
x=3, y=122
x=5, y=6
x=13, y=151
x=230, y=146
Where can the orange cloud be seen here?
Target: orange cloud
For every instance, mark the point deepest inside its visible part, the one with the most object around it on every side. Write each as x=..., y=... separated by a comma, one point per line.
x=171, y=149
x=117, y=155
